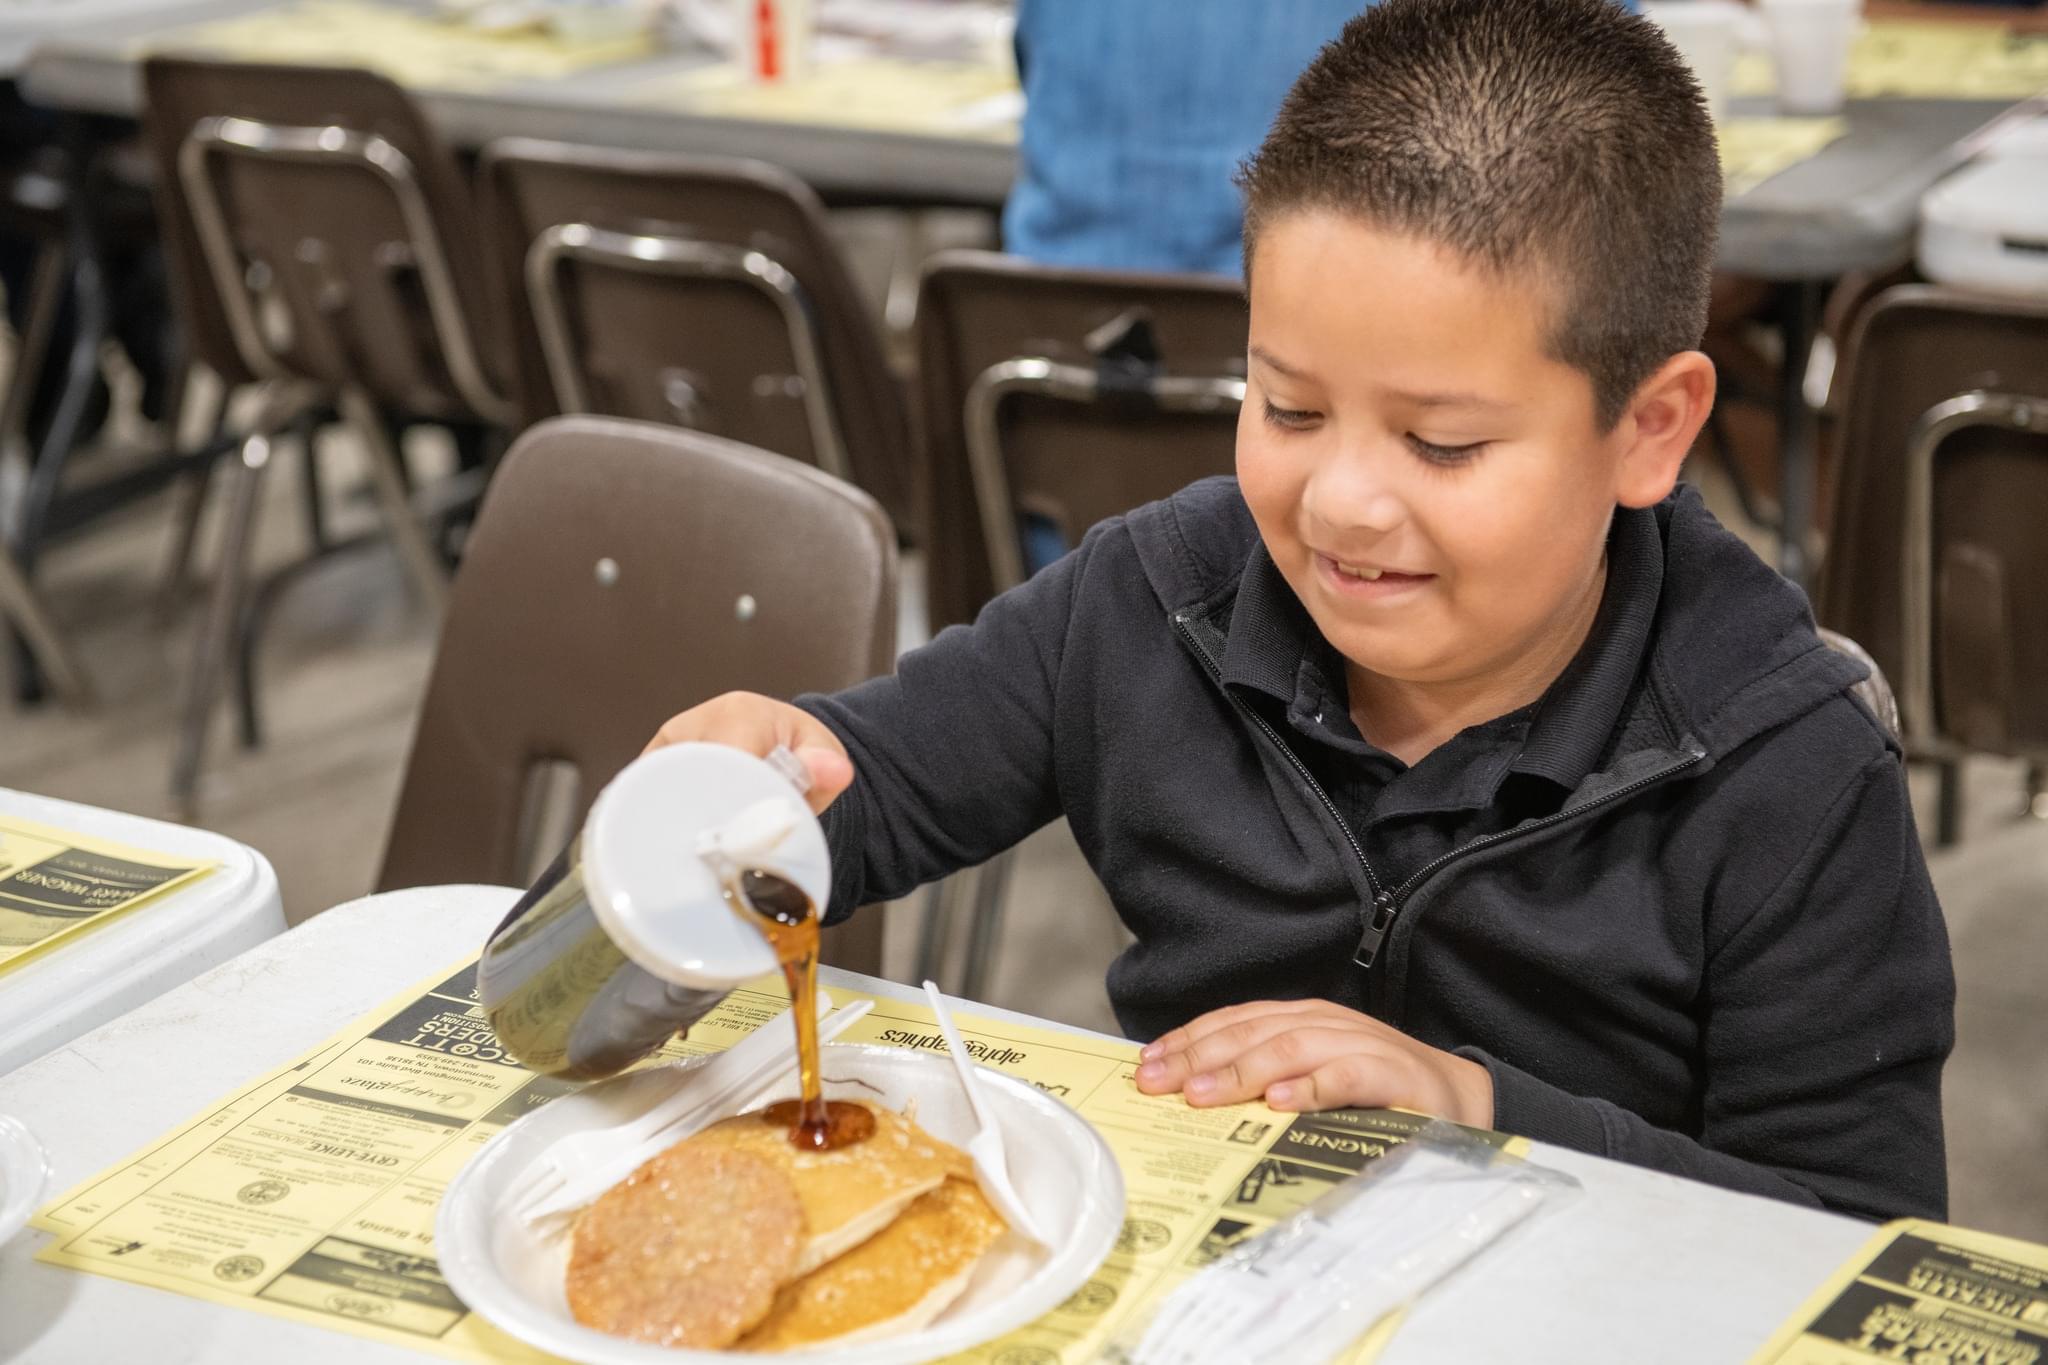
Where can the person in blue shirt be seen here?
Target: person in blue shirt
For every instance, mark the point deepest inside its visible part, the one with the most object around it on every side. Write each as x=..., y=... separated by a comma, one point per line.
x=1137, y=113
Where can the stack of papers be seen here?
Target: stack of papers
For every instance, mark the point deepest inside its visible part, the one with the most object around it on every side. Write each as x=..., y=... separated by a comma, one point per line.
x=411, y=48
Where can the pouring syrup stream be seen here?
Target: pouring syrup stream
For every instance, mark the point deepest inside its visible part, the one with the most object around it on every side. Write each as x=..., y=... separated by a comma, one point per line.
x=789, y=921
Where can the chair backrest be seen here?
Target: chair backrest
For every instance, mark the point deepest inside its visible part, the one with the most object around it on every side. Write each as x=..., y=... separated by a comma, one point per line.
x=1874, y=691
x=1935, y=562
x=318, y=229
x=621, y=572
x=702, y=292
x=1065, y=395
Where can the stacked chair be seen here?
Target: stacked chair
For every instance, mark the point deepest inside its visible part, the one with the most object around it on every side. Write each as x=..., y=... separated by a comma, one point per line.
x=703, y=292
x=1062, y=397
x=320, y=238
x=1935, y=560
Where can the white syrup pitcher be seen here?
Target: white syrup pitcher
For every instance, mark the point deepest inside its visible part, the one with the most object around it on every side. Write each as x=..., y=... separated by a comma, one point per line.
x=628, y=937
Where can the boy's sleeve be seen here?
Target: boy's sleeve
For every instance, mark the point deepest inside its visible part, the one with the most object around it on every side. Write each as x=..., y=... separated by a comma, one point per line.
x=953, y=753
x=1828, y=1015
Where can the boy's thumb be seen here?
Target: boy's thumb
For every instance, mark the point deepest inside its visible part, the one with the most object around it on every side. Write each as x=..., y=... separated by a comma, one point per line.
x=831, y=773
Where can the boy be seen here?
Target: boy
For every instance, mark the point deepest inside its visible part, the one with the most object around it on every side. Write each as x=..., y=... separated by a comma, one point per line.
x=1448, y=758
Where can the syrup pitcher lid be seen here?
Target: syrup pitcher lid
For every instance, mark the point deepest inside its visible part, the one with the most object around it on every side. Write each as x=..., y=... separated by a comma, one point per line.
x=658, y=832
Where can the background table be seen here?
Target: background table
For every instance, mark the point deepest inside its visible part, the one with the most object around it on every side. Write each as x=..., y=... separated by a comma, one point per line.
x=96, y=68
x=111, y=968
x=1643, y=1267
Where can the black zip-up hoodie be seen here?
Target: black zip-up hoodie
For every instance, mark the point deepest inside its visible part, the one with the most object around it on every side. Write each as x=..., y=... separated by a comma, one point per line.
x=1719, y=955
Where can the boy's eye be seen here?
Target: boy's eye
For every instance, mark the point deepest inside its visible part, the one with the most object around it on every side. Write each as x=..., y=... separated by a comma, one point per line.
x=1444, y=455
x=1293, y=419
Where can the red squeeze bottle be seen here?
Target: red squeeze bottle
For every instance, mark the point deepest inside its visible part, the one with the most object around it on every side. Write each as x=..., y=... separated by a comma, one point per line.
x=767, y=55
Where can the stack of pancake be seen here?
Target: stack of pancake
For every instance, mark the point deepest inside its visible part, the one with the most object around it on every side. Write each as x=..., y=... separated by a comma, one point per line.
x=737, y=1238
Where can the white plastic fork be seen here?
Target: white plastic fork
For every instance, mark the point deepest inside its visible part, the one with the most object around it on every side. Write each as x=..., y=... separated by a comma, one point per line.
x=991, y=1161
x=582, y=1166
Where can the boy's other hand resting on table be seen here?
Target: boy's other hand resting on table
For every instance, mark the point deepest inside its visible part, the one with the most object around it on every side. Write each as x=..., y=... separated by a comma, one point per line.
x=757, y=724
x=1312, y=1054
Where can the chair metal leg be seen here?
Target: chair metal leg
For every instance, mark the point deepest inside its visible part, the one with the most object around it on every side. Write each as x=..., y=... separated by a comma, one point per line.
x=45, y=300
x=18, y=606
x=312, y=488
x=225, y=603
x=2037, y=791
x=1948, y=802
x=190, y=498
x=82, y=370
x=388, y=480
x=248, y=715
x=985, y=928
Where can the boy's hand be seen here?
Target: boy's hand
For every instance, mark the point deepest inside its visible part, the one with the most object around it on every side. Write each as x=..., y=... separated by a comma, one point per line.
x=757, y=724
x=1312, y=1054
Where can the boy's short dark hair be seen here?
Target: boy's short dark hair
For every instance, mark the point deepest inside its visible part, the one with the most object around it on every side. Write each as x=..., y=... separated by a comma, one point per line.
x=1563, y=135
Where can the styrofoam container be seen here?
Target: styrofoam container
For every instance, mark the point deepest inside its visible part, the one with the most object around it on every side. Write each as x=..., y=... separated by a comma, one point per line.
x=1986, y=227
x=24, y=1171
x=1709, y=35
x=512, y=1273
x=1810, y=42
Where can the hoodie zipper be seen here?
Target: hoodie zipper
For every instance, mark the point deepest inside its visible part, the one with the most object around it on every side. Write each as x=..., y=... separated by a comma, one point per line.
x=1376, y=932
x=1386, y=904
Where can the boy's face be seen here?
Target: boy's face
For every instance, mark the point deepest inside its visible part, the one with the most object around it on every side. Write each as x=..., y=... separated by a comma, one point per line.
x=1429, y=480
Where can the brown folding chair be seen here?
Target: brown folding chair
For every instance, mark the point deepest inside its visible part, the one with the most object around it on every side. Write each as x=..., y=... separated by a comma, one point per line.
x=1935, y=561
x=321, y=236
x=621, y=572
x=1064, y=396
x=706, y=293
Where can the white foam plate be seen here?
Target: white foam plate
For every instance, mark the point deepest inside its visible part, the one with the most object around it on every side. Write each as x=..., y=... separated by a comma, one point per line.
x=1064, y=1172
x=23, y=1172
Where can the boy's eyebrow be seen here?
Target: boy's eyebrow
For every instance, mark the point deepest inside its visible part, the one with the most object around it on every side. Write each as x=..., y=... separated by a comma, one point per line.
x=1271, y=361
x=1419, y=400
x=1448, y=400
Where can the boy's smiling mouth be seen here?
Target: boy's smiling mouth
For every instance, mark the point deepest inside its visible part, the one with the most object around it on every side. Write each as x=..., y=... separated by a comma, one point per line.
x=1365, y=580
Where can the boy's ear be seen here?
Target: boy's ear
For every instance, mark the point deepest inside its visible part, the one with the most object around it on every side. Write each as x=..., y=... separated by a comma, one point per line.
x=1659, y=425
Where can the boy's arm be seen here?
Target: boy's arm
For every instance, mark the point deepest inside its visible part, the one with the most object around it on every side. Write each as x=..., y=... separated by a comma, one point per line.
x=1829, y=1012
x=953, y=753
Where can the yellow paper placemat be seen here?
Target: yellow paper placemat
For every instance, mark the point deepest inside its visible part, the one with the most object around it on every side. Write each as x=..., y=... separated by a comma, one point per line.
x=311, y=1192
x=941, y=99
x=1755, y=149
x=1920, y=1291
x=411, y=49
x=55, y=884
x=1923, y=59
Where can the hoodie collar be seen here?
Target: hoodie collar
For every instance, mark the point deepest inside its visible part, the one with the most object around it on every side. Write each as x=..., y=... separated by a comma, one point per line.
x=1272, y=647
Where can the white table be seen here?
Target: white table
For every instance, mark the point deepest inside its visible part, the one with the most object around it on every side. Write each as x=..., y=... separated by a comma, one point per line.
x=109, y=969
x=1643, y=1267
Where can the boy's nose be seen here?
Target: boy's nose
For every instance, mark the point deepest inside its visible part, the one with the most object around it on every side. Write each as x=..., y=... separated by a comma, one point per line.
x=1352, y=494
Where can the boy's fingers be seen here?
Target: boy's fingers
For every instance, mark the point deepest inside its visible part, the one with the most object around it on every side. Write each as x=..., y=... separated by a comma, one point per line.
x=1355, y=1081
x=1178, y=1040
x=759, y=725
x=1169, y=1071
x=1286, y=1056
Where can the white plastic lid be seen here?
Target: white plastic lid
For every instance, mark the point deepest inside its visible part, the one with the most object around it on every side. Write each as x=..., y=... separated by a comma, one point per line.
x=652, y=892
x=2005, y=196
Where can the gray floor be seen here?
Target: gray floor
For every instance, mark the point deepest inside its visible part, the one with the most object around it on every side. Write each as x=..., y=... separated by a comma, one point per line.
x=346, y=657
